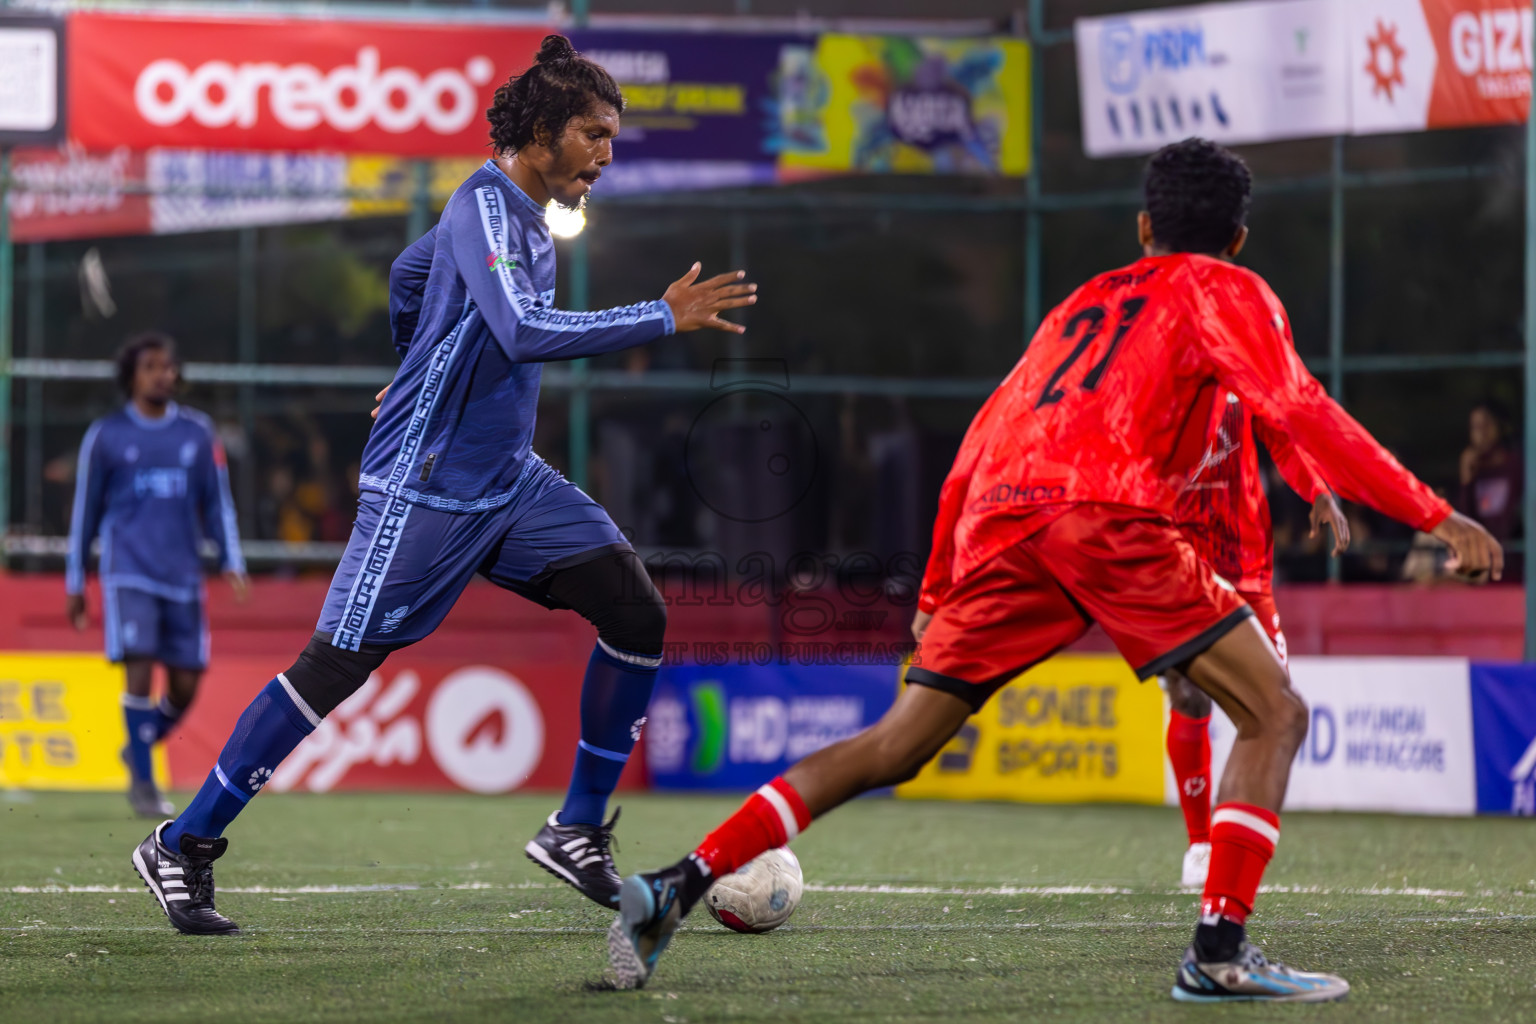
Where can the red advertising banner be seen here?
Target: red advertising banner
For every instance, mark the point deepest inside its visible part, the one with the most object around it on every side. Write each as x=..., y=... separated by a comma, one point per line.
x=402, y=88
x=417, y=724
x=1420, y=64
x=68, y=193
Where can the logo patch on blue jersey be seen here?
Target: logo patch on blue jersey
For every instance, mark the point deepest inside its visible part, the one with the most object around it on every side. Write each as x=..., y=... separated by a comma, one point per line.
x=498, y=259
x=131, y=453
x=188, y=452
x=393, y=619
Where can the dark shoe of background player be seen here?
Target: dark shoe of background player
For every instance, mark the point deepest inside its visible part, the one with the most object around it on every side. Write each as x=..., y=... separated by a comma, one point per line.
x=144, y=796
x=183, y=881
x=579, y=856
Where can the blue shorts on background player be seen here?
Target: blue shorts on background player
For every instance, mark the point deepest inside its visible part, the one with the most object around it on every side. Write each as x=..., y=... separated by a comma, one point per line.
x=451, y=488
x=152, y=485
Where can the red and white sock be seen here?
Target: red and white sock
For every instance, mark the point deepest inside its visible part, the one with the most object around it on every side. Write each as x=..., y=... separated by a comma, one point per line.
x=770, y=818
x=1189, y=752
x=1243, y=839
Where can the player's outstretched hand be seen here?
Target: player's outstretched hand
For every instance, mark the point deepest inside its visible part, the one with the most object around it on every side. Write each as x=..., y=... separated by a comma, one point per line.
x=1474, y=552
x=696, y=304
x=74, y=610
x=1326, y=511
x=240, y=583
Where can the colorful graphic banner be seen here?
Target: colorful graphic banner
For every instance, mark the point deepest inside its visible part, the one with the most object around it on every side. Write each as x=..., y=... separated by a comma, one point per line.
x=61, y=723
x=1232, y=72
x=737, y=727
x=904, y=105
x=701, y=109
x=1076, y=728
x=1417, y=64
x=288, y=84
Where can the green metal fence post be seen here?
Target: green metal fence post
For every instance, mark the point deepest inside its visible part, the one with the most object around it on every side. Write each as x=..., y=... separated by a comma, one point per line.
x=1032, y=226
x=7, y=283
x=1336, y=298
x=246, y=343
x=1530, y=374
x=420, y=217
x=32, y=472
x=581, y=389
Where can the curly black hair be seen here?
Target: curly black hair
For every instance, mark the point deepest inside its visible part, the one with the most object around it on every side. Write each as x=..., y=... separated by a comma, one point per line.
x=537, y=104
x=1198, y=194
x=137, y=345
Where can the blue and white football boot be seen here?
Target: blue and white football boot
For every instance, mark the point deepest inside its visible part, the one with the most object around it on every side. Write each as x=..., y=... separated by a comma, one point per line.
x=1249, y=977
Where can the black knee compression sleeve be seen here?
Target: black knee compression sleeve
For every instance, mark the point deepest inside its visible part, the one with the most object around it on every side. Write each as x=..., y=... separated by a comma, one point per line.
x=615, y=594
x=325, y=676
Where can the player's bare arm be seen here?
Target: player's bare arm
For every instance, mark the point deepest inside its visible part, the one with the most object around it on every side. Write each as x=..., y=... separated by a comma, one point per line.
x=74, y=610
x=1327, y=513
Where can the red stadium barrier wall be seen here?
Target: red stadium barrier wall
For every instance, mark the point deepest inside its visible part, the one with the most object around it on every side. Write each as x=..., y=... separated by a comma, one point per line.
x=459, y=710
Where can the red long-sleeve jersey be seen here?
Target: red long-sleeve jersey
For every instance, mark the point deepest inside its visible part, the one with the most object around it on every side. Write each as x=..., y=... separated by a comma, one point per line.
x=1222, y=509
x=1112, y=403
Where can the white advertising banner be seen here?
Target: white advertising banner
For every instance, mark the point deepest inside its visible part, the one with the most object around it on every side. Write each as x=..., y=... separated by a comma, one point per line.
x=1231, y=72
x=1387, y=734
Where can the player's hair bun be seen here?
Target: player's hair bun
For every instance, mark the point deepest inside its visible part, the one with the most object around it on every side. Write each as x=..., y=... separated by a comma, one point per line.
x=555, y=47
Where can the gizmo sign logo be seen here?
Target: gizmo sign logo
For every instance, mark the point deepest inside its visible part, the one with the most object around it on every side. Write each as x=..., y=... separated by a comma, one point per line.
x=1419, y=64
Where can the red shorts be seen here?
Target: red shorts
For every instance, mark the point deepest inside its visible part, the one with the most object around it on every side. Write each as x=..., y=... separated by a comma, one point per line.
x=1263, y=604
x=1127, y=569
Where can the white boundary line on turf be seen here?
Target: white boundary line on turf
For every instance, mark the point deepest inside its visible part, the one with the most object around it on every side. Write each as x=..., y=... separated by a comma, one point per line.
x=869, y=890
x=1021, y=926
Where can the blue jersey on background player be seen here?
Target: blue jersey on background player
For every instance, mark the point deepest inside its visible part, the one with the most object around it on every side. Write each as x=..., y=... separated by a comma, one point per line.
x=451, y=488
x=152, y=484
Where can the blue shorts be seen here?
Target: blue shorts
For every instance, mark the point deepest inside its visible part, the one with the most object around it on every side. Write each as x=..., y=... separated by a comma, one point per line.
x=143, y=625
x=405, y=565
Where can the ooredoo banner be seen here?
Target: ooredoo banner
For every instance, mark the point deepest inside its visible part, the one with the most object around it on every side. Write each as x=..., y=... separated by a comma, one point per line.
x=1386, y=734
x=412, y=89
x=1232, y=72
x=1417, y=64
x=1077, y=728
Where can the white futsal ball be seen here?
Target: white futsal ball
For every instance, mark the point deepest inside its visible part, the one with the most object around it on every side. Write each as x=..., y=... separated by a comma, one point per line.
x=760, y=896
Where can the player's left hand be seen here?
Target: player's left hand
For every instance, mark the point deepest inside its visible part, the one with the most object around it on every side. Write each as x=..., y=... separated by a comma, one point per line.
x=697, y=304
x=380, y=399
x=920, y=625
x=240, y=584
x=1326, y=510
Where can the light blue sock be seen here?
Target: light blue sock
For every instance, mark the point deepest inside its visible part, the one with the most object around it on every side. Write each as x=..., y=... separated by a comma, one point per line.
x=614, y=696
x=140, y=718
x=268, y=730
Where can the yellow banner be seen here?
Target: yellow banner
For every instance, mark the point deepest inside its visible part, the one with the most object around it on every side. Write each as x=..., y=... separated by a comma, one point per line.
x=390, y=182
x=905, y=105
x=61, y=723
x=1076, y=728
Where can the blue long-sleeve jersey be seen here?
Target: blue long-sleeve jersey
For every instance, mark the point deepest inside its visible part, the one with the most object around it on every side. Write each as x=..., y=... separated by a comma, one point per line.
x=471, y=314
x=152, y=489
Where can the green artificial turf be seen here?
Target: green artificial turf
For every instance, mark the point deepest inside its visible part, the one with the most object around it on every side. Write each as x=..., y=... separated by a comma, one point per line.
x=988, y=912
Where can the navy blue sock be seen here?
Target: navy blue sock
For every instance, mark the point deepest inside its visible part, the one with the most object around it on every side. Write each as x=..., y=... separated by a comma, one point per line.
x=268, y=730
x=614, y=696
x=166, y=717
x=139, y=717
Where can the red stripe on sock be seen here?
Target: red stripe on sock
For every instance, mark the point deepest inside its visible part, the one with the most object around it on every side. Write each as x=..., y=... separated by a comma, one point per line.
x=1189, y=752
x=757, y=826
x=1242, y=843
